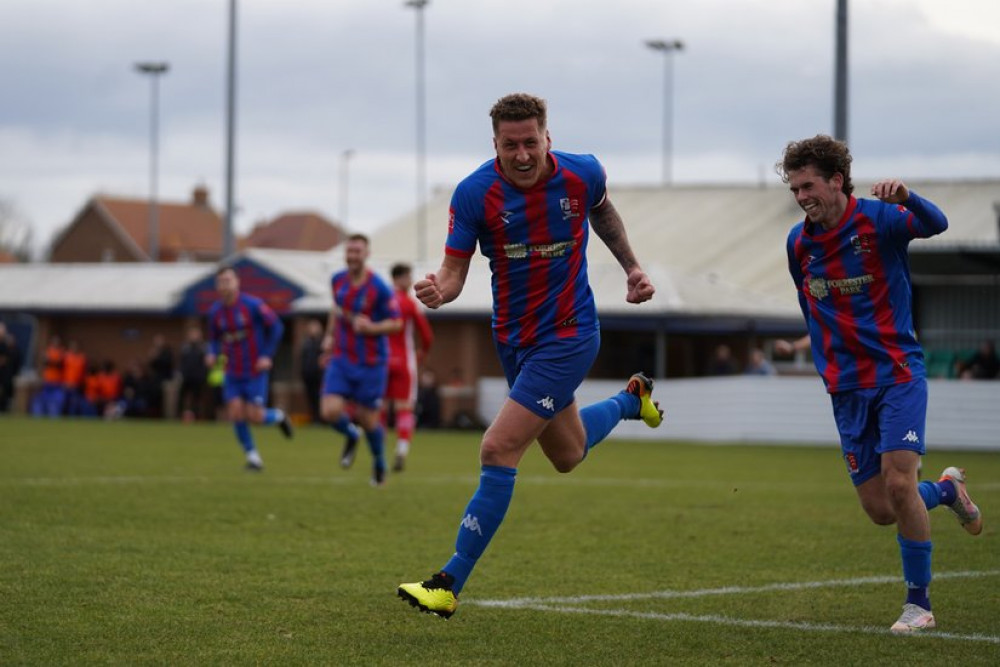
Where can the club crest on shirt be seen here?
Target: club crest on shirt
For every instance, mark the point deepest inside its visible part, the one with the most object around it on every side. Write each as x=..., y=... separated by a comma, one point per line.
x=817, y=287
x=570, y=208
x=862, y=243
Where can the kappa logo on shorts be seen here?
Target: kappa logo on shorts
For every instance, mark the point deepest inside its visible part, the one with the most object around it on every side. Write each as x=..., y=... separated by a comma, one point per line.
x=911, y=436
x=547, y=403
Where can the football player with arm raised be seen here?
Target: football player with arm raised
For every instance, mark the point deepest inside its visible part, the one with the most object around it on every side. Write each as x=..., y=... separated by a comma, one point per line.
x=848, y=261
x=529, y=210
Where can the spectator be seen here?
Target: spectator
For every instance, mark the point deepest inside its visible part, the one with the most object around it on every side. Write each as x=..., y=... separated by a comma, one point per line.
x=428, y=401
x=49, y=401
x=759, y=365
x=194, y=375
x=91, y=391
x=722, y=362
x=137, y=392
x=161, y=371
x=310, y=368
x=8, y=367
x=109, y=389
x=74, y=370
x=983, y=365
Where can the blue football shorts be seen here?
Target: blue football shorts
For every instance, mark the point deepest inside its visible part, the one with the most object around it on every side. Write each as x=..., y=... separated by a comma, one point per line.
x=365, y=385
x=251, y=389
x=543, y=377
x=883, y=419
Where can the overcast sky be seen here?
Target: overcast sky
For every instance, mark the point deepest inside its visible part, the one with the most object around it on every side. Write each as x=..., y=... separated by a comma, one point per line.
x=319, y=77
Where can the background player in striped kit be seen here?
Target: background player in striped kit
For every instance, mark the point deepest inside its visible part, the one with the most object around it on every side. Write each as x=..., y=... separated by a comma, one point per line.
x=848, y=260
x=528, y=210
x=405, y=355
x=246, y=331
x=364, y=312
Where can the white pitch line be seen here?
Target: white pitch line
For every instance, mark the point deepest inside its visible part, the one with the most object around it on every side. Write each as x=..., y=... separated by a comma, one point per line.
x=176, y=479
x=515, y=603
x=739, y=622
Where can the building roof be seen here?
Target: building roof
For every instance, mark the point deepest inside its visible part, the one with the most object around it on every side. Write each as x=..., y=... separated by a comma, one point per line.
x=294, y=231
x=102, y=287
x=190, y=230
x=710, y=249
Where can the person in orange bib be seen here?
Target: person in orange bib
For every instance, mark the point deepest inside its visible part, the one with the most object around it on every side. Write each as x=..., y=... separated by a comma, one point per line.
x=52, y=397
x=74, y=370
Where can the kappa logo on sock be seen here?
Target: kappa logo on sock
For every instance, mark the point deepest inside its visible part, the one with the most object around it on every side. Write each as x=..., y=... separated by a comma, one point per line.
x=472, y=523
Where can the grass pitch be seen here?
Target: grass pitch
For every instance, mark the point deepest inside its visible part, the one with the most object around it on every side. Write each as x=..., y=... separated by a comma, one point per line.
x=146, y=542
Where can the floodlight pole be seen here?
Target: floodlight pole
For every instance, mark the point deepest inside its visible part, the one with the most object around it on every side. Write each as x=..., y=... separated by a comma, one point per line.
x=154, y=70
x=228, y=246
x=421, y=114
x=344, y=159
x=840, y=75
x=667, y=47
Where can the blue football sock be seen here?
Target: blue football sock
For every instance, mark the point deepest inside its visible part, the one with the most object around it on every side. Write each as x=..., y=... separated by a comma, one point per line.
x=482, y=518
x=930, y=493
x=916, y=570
x=273, y=415
x=601, y=417
x=345, y=426
x=376, y=442
x=948, y=491
x=937, y=493
x=244, y=436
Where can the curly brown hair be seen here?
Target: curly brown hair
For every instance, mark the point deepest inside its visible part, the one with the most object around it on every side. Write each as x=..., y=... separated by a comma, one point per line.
x=827, y=154
x=518, y=106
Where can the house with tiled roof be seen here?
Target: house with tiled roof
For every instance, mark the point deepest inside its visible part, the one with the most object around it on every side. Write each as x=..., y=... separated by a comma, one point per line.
x=295, y=231
x=115, y=229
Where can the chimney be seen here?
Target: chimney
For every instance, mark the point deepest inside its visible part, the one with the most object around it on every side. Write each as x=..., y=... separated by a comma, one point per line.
x=996, y=211
x=200, y=196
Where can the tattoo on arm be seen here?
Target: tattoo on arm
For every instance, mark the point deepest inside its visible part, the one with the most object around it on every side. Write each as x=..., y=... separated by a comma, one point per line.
x=609, y=228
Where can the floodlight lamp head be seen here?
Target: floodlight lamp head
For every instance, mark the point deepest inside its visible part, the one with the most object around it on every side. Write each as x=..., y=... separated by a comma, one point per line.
x=152, y=67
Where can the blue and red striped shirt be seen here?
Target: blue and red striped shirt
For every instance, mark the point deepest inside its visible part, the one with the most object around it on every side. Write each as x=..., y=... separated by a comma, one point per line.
x=374, y=299
x=536, y=243
x=244, y=331
x=854, y=289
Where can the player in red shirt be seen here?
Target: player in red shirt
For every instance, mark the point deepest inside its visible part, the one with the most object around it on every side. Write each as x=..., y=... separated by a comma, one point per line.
x=404, y=356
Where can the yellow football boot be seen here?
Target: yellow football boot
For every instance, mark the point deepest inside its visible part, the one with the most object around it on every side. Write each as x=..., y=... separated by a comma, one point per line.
x=649, y=410
x=433, y=596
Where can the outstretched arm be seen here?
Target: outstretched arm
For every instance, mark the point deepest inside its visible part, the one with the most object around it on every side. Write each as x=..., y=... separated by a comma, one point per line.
x=444, y=286
x=932, y=220
x=609, y=228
